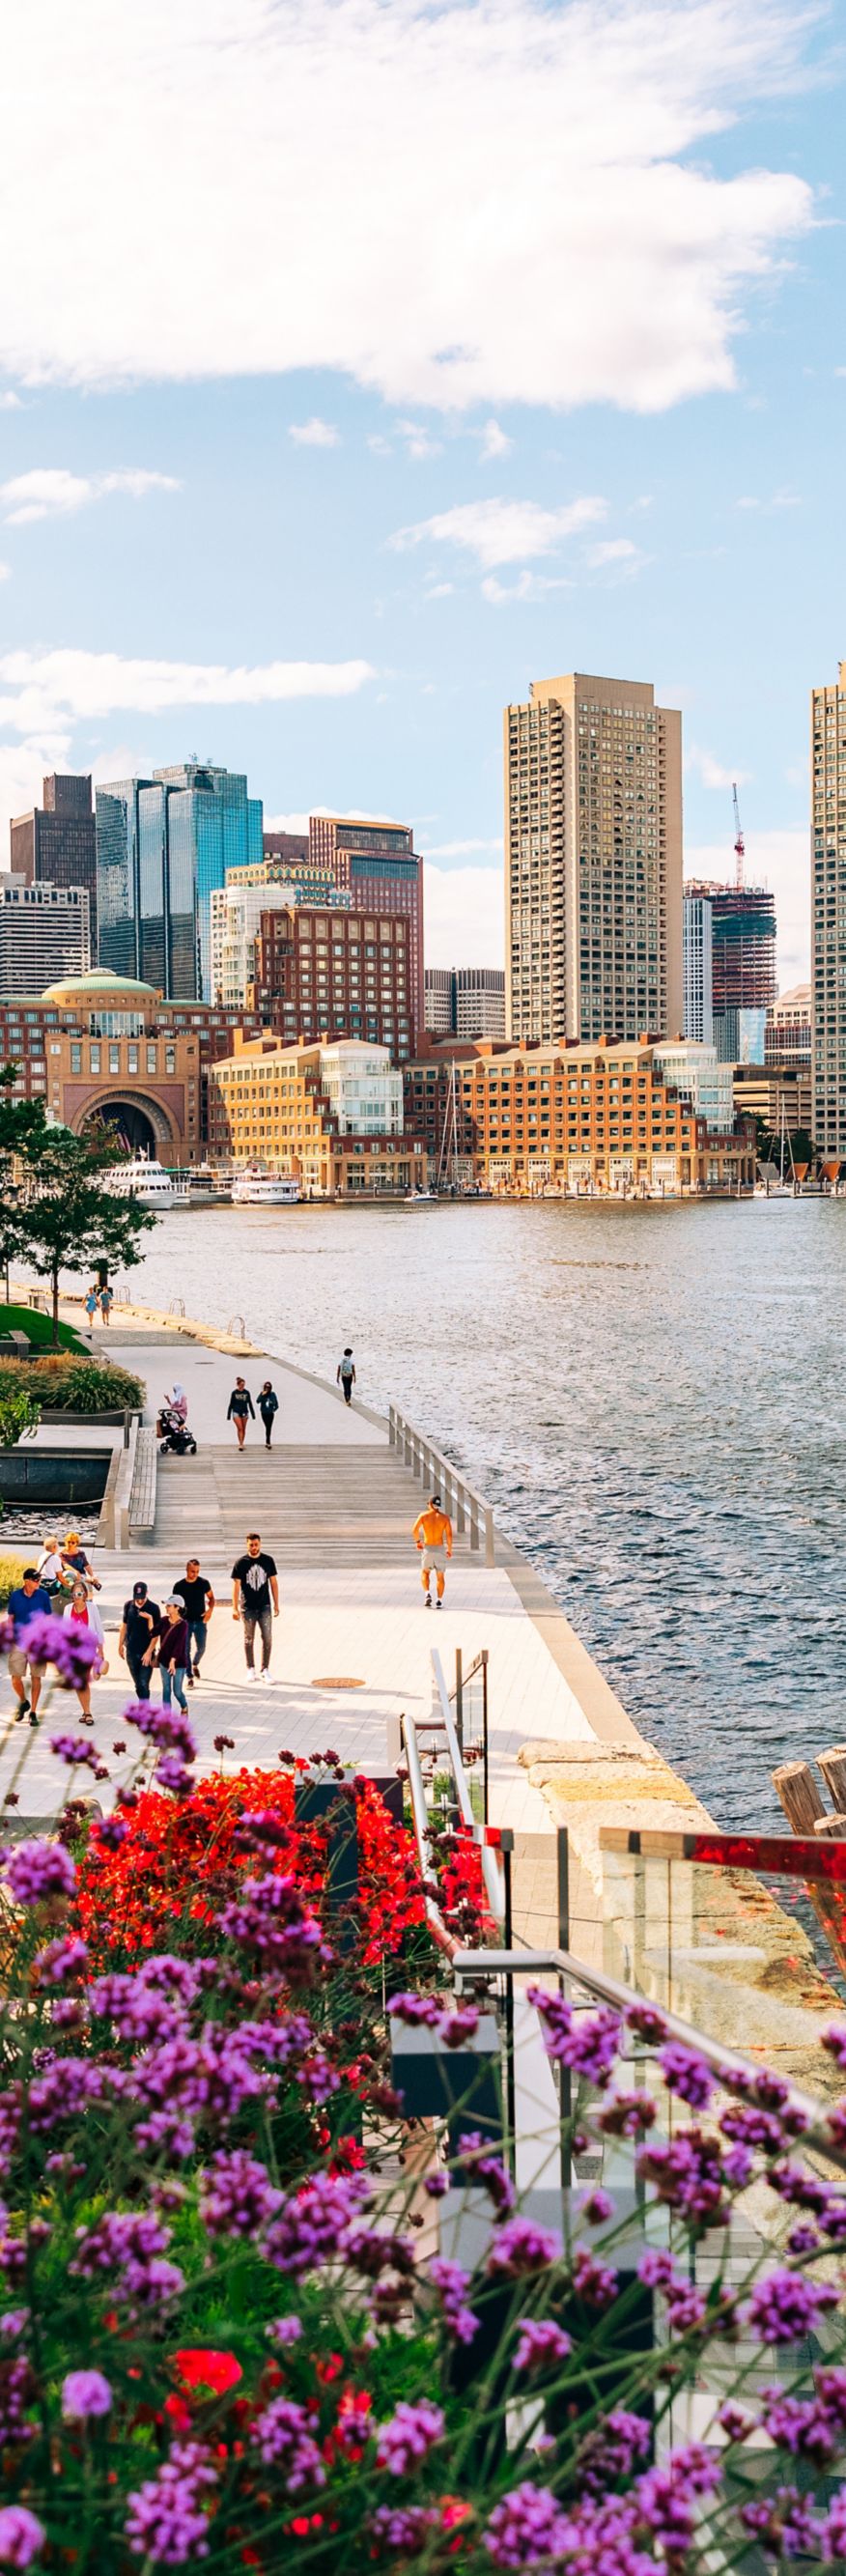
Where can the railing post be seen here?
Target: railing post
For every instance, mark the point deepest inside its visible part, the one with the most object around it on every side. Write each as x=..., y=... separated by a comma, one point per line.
x=490, y=1558
x=460, y=1513
x=392, y=1428
x=485, y=1734
x=459, y=1701
x=474, y=1522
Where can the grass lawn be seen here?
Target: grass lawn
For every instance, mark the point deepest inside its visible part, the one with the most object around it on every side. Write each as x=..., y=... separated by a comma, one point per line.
x=39, y=1329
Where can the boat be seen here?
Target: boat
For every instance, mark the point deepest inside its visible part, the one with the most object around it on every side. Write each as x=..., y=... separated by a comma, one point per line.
x=141, y=1177
x=265, y=1189
x=420, y=1198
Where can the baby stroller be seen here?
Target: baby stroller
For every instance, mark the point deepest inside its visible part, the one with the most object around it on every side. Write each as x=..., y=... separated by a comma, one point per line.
x=173, y=1434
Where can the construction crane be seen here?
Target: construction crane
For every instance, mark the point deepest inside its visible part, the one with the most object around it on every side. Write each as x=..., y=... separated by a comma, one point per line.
x=739, y=844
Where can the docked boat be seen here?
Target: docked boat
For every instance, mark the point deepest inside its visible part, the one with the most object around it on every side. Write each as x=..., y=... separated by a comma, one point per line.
x=265, y=1189
x=141, y=1177
x=420, y=1198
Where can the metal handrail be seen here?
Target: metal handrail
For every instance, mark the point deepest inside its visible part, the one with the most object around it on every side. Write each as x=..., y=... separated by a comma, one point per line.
x=734, y=2070
x=461, y=1500
x=491, y=1874
x=419, y=1812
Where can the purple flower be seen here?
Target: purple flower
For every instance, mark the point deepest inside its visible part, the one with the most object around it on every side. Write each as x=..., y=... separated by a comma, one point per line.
x=451, y=2282
x=785, y=2306
x=598, y=2206
x=419, y=2011
x=61, y=1959
x=37, y=1870
x=237, y=2194
x=612, y=2451
x=313, y=2225
x=686, y=2073
x=283, y=2440
x=688, y=2174
x=666, y=2495
x=15, y=2390
x=85, y=2393
x=403, y=2528
x=785, y=2523
x=63, y=1643
x=834, y=2528
x=285, y=2331
x=407, y=2439
x=521, y=2247
x=593, y=2281
x=458, y=2025
x=527, y=2528
x=835, y=2041
x=171, y=1774
x=21, y=2536
x=589, y=2046
x=15, y=2321
x=482, y=2165
x=166, y=2521
x=540, y=2343
x=73, y=1749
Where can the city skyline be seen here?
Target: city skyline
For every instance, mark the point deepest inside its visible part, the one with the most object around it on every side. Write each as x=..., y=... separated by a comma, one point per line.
x=290, y=513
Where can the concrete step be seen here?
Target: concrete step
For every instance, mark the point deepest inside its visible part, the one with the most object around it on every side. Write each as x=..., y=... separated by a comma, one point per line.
x=315, y=1505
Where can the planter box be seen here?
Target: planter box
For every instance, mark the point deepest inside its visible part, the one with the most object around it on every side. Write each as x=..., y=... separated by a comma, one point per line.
x=54, y=1476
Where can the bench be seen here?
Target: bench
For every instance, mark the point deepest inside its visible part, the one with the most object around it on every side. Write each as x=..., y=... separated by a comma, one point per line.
x=142, y=1497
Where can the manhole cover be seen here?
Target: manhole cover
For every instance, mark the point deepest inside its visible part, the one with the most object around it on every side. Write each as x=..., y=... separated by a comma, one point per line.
x=337, y=1681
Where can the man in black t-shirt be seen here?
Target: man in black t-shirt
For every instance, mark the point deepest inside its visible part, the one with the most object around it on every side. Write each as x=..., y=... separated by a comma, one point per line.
x=197, y=1600
x=255, y=1599
x=139, y=1629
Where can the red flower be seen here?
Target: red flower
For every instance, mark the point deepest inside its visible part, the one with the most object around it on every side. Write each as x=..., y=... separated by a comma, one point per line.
x=209, y=2370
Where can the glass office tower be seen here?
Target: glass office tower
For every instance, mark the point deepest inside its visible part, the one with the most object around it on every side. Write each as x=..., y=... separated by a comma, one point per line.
x=163, y=844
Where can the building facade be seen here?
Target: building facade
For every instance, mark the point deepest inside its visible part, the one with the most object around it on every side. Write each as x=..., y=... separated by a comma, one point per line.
x=378, y=866
x=237, y=913
x=593, y=861
x=696, y=1073
x=44, y=932
x=56, y=843
x=333, y=1116
x=107, y=1049
x=163, y=844
x=743, y=972
x=465, y=1001
x=828, y=914
x=698, y=968
x=291, y=847
x=323, y=975
x=581, y=1119
x=777, y=1093
x=788, y=1035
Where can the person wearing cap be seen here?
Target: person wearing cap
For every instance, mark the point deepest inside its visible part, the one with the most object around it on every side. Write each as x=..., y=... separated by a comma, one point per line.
x=139, y=1630
x=173, y=1654
x=26, y=1602
x=433, y=1536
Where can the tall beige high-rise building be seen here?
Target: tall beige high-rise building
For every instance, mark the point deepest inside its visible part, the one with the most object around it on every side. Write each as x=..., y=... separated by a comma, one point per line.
x=828, y=915
x=593, y=861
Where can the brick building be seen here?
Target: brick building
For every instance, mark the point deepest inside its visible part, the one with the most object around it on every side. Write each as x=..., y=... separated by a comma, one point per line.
x=56, y=844
x=335, y=974
x=582, y=1118
x=331, y=1115
x=107, y=1048
x=379, y=867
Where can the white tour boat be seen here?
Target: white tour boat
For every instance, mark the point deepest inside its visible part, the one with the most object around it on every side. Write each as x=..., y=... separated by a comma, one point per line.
x=265, y=1189
x=145, y=1179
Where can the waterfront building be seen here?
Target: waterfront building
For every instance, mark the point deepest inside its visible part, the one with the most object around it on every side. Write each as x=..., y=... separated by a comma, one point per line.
x=743, y=953
x=593, y=861
x=598, y=1118
x=378, y=866
x=465, y=1001
x=44, y=932
x=56, y=844
x=698, y=967
x=335, y=974
x=769, y=1091
x=163, y=844
x=788, y=1034
x=237, y=910
x=697, y=1074
x=107, y=1048
x=333, y=1116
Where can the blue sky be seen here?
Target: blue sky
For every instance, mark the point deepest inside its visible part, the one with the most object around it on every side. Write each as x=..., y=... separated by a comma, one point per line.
x=359, y=363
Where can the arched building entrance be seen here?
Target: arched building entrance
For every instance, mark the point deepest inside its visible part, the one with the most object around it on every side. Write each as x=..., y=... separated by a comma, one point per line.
x=139, y=1122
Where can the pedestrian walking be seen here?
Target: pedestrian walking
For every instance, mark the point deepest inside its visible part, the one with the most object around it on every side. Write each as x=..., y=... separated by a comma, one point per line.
x=433, y=1536
x=240, y=1407
x=197, y=1602
x=139, y=1629
x=28, y=1599
x=172, y=1653
x=255, y=1600
x=268, y=1405
x=53, y=1573
x=82, y=1612
x=91, y=1304
x=346, y=1374
x=74, y=1558
x=106, y=1302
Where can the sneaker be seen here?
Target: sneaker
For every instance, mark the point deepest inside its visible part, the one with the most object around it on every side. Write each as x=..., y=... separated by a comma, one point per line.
x=439, y=1604
x=428, y=1600
x=33, y=1720
x=190, y=1680
x=22, y=1711
x=196, y=1672
x=265, y=1678
x=252, y=1675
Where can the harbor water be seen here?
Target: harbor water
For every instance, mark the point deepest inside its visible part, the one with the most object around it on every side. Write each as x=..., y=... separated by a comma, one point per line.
x=652, y=1399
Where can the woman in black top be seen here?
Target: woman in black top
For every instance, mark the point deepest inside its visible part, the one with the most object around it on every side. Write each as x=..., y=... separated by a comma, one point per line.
x=240, y=1406
x=268, y=1404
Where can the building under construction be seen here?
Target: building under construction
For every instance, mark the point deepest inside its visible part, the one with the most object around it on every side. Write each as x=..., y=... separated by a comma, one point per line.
x=743, y=933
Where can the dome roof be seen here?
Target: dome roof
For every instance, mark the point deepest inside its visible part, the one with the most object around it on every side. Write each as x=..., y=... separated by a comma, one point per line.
x=91, y=987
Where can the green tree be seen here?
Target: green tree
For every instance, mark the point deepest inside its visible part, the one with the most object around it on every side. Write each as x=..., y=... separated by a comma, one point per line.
x=18, y=1413
x=72, y=1220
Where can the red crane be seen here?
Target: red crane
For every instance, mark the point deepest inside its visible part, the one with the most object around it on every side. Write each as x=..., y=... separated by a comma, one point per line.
x=739, y=843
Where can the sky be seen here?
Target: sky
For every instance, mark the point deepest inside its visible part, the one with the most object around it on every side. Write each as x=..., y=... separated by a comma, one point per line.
x=361, y=361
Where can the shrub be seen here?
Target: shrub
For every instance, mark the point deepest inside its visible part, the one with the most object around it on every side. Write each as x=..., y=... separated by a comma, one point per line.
x=19, y=1412
x=62, y=1383
x=11, y=1569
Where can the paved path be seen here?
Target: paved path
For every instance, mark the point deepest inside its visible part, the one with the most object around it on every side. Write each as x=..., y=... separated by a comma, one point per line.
x=352, y=1649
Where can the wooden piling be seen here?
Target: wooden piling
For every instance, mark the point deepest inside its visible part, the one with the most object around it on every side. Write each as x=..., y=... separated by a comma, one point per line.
x=795, y=1785
x=833, y=1767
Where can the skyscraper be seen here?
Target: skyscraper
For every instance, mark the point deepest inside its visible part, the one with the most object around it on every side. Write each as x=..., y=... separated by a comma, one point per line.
x=44, y=934
x=465, y=1001
x=828, y=914
x=379, y=865
x=743, y=945
x=698, y=968
x=593, y=864
x=163, y=844
x=55, y=844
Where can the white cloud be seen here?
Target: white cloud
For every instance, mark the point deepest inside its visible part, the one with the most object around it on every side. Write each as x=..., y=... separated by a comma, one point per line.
x=515, y=203
x=314, y=433
x=286, y=823
x=780, y=859
x=499, y=532
x=494, y=443
x=10, y=402
x=712, y=772
x=528, y=588
x=50, y=492
x=49, y=688
x=465, y=916
x=5, y=572
x=419, y=444
x=783, y=500
x=617, y=555
x=439, y=590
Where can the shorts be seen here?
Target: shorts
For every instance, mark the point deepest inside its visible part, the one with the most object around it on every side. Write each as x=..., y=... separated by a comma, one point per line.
x=434, y=1559
x=18, y=1663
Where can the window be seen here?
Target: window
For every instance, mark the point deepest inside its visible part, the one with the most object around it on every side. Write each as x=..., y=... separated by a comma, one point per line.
x=152, y=1058
x=133, y=1059
x=114, y=1059
x=95, y=1059
x=75, y=1057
